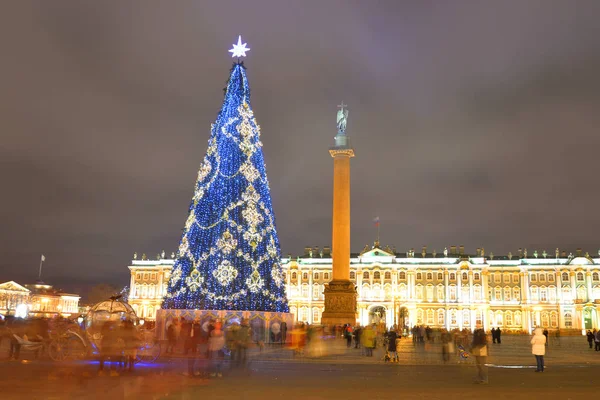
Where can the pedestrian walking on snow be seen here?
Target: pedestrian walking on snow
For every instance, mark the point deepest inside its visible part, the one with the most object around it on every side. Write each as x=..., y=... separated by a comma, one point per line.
x=538, y=348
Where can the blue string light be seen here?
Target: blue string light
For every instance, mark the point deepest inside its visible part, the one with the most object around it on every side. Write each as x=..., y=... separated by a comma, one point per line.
x=229, y=256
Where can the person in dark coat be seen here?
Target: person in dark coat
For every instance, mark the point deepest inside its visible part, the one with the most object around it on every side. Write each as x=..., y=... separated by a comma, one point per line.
x=493, y=332
x=192, y=345
x=498, y=335
x=391, y=337
x=546, y=334
x=479, y=350
x=590, y=337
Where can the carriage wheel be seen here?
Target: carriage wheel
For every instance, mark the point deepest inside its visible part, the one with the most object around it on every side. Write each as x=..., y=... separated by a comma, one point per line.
x=76, y=349
x=57, y=350
x=148, y=352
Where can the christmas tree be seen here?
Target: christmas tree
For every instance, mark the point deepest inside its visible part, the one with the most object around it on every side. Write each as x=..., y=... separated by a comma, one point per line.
x=229, y=255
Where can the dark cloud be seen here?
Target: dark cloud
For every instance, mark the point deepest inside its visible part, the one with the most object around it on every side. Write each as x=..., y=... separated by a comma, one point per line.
x=473, y=123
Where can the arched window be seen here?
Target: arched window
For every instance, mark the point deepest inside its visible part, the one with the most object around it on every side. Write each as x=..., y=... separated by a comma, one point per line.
x=518, y=321
x=305, y=293
x=294, y=276
x=566, y=294
x=517, y=293
x=533, y=278
x=429, y=276
x=506, y=277
x=403, y=292
x=419, y=276
x=580, y=276
x=303, y=316
x=554, y=319
x=543, y=294
x=387, y=292
x=366, y=292
x=508, y=318
x=506, y=293
x=595, y=277
x=452, y=276
x=552, y=294
x=465, y=294
x=430, y=317
x=316, y=316
x=366, y=275
x=376, y=292
x=476, y=276
x=499, y=320
x=440, y=293
x=545, y=319
x=581, y=292
x=568, y=320
x=466, y=318
x=477, y=296
x=376, y=275
x=534, y=293
x=429, y=293
x=453, y=321
x=440, y=276
x=305, y=276
x=542, y=277
x=452, y=292
x=402, y=275
x=151, y=292
x=565, y=277
x=596, y=292
x=387, y=275
x=441, y=317
x=465, y=276
x=352, y=275
x=150, y=312
x=498, y=293
x=551, y=277
x=316, y=292
x=419, y=317
x=419, y=292
x=316, y=276
x=326, y=276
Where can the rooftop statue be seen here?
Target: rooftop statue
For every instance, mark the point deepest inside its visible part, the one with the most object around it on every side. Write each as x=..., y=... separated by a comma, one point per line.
x=342, y=119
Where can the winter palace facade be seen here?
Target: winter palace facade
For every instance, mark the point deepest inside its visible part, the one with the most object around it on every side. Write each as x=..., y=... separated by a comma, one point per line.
x=451, y=290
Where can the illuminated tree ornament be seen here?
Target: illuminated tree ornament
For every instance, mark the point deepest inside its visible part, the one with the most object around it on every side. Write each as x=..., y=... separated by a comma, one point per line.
x=229, y=256
x=239, y=49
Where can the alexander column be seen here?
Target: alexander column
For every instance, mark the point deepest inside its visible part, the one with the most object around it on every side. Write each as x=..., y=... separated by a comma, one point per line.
x=340, y=293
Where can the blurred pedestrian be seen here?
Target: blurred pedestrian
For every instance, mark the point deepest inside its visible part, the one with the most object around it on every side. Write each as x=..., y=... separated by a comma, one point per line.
x=597, y=340
x=591, y=337
x=545, y=333
x=216, y=342
x=480, y=351
x=109, y=348
x=131, y=340
x=538, y=348
x=447, y=345
x=369, y=337
x=391, y=338
x=243, y=338
x=192, y=342
x=171, y=338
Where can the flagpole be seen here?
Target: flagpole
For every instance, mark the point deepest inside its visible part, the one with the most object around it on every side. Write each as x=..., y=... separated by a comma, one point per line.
x=40, y=274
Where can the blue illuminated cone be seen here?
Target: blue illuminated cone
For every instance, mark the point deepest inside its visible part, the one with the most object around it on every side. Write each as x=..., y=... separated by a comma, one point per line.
x=229, y=255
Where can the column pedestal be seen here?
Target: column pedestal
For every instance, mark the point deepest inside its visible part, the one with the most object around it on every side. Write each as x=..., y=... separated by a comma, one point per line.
x=340, y=303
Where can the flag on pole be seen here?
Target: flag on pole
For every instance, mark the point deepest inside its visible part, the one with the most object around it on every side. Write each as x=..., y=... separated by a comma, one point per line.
x=43, y=257
x=376, y=221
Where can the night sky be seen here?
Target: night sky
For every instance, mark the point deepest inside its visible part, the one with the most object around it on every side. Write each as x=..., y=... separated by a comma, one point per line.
x=473, y=122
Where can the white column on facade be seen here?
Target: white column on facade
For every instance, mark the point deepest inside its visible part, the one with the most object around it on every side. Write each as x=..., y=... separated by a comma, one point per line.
x=459, y=286
x=159, y=292
x=446, y=286
x=573, y=286
x=524, y=287
x=310, y=295
x=459, y=318
x=411, y=284
x=588, y=280
x=471, y=287
x=559, y=294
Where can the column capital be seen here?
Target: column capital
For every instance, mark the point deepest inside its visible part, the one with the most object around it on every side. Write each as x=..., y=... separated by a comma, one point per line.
x=341, y=152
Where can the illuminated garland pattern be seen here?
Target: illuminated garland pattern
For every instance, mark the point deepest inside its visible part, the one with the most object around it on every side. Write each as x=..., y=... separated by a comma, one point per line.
x=229, y=255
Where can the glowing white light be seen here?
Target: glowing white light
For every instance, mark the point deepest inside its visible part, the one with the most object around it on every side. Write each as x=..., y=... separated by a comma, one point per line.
x=239, y=49
x=21, y=311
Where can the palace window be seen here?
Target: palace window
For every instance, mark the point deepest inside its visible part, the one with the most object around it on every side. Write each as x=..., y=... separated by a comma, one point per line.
x=303, y=317
x=477, y=292
x=305, y=276
x=138, y=276
x=580, y=276
x=534, y=293
x=596, y=292
x=429, y=292
x=478, y=317
x=366, y=275
x=441, y=317
x=316, y=315
x=464, y=294
x=316, y=292
x=518, y=318
x=545, y=319
x=533, y=278
x=440, y=293
x=402, y=275
x=476, y=276
x=387, y=275
x=466, y=318
x=543, y=294
x=508, y=318
x=497, y=278
x=499, y=321
x=506, y=293
x=366, y=292
x=517, y=293
x=554, y=319
x=377, y=276
x=153, y=276
x=565, y=277
x=429, y=317
x=145, y=276
x=568, y=320
x=566, y=294
x=550, y=277
x=387, y=292
x=465, y=276
x=515, y=278
x=326, y=276
x=429, y=276
x=581, y=292
x=304, y=293
x=419, y=276
x=419, y=292
x=452, y=276
x=552, y=294
x=403, y=291
x=498, y=293
x=151, y=291
x=376, y=293
x=294, y=276
x=419, y=317
x=452, y=292
x=352, y=275
x=506, y=277
x=440, y=276
x=453, y=321
x=595, y=277
x=316, y=276
x=542, y=277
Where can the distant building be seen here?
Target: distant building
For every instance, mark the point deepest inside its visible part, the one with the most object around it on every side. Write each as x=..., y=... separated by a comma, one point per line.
x=12, y=297
x=451, y=290
x=45, y=301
